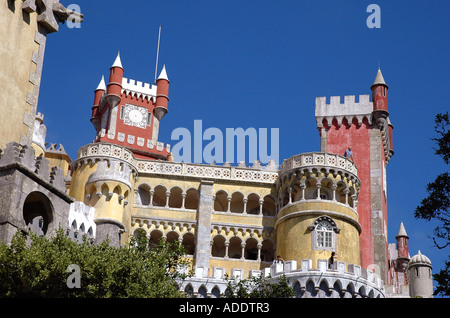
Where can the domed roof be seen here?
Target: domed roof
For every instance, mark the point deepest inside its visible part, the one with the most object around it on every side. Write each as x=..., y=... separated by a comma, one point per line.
x=419, y=258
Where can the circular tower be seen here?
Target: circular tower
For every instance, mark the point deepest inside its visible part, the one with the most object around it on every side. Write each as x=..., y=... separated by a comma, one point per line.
x=104, y=176
x=402, y=248
x=420, y=277
x=317, y=195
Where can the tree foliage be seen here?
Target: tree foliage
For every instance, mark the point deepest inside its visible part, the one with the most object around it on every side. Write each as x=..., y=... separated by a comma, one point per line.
x=259, y=287
x=437, y=205
x=37, y=267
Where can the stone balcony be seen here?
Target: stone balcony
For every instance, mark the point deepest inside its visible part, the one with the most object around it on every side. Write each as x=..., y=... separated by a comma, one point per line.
x=346, y=281
x=319, y=160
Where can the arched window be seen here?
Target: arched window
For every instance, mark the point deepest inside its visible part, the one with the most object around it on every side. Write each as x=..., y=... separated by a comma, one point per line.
x=253, y=204
x=191, y=201
x=155, y=236
x=37, y=213
x=143, y=197
x=235, y=249
x=251, y=249
x=267, y=251
x=269, y=206
x=221, y=201
x=140, y=236
x=160, y=196
x=237, y=202
x=218, y=248
x=189, y=243
x=324, y=232
x=324, y=235
x=175, y=199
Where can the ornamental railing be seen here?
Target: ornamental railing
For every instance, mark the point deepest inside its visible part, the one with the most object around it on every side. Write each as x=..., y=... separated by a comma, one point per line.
x=320, y=159
x=261, y=174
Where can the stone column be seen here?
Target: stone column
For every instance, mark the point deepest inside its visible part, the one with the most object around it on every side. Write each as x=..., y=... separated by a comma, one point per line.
x=205, y=208
x=378, y=203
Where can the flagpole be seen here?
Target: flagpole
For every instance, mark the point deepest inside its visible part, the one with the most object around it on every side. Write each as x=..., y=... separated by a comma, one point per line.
x=157, y=53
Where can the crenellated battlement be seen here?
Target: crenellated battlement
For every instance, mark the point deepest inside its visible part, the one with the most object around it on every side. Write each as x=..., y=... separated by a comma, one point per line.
x=346, y=281
x=138, y=89
x=349, y=109
x=81, y=222
x=22, y=157
x=112, y=170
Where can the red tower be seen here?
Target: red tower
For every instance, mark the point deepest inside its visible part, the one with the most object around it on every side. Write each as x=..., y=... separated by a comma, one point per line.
x=127, y=112
x=365, y=127
x=398, y=261
x=402, y=243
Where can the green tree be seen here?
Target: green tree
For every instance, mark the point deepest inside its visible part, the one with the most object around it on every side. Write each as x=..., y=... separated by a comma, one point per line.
x=437, y=205
x=259, y=287
x=37, y=267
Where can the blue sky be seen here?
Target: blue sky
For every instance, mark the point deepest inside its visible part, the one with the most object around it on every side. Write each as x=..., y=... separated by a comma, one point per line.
x=262, y=64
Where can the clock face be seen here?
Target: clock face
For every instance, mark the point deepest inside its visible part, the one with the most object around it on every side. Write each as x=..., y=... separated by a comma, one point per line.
x=135, y=116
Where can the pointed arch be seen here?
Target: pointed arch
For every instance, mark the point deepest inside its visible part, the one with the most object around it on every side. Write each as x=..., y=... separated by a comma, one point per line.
x=215, y=292
x=202, y=292
x=323, y=289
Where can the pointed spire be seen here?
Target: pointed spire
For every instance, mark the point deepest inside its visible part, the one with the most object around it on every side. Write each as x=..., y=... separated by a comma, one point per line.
x=117, y=62
x=379, y=80
x=163, y=74
x=402, y=231
x=101, y=85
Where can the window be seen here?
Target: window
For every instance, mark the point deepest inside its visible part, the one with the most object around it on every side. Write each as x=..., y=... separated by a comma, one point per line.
x=121, y=111
x=324, y=235
x=149, y=119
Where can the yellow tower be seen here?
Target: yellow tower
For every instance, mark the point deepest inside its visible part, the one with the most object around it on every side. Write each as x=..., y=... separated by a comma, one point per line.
x=317, y=195
x=105, y=183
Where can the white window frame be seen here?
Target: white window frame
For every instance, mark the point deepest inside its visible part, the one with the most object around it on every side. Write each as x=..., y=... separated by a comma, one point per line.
x=324, y=234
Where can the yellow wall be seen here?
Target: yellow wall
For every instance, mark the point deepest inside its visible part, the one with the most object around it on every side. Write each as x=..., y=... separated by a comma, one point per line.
x=288, y=230
x=17, y=47
x=80, y=176
x=294, y=237
x=56, y=160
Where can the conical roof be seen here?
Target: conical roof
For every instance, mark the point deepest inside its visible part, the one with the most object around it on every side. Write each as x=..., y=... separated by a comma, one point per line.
x=379, y=80
x=163, y=74
x=402, y=231
x=117, y=62
x=101, y=85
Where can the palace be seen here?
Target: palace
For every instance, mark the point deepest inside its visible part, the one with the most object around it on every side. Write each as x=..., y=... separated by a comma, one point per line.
x=232, y=219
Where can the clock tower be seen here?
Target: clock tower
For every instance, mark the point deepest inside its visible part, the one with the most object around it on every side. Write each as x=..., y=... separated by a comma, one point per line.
x=127, y=112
